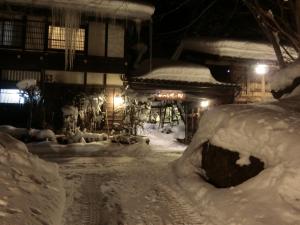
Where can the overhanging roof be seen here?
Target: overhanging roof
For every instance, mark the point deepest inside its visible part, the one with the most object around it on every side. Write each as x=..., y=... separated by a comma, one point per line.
x=104, y=8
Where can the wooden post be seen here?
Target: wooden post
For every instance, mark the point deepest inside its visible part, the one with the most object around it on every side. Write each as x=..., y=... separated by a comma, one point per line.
x=186, y=122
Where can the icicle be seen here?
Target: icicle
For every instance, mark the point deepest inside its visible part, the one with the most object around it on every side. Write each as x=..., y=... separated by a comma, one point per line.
x=138, y=27
x=72, y=25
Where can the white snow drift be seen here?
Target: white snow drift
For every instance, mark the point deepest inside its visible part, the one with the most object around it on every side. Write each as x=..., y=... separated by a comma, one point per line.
x=268, y=131
x=31, y=189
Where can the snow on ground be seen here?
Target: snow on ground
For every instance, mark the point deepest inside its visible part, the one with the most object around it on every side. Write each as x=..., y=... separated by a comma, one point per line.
x=269, y=131
x=160, y=140
x=31, y=189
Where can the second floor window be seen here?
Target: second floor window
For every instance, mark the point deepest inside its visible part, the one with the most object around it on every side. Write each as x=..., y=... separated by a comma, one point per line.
x=57, y=38
x=11, y=33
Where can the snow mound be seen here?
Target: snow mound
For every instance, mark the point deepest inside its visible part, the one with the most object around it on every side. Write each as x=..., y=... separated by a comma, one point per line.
x=31, y=189
x=24, y=134
x=26, y=84
x=285, y=77
x=268, y=131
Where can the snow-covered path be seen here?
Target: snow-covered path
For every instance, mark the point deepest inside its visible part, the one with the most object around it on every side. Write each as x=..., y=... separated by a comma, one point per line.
x=124, y=190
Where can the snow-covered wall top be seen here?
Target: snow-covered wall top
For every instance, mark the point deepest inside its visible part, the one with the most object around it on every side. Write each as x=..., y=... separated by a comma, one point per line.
x=231, y=48
x=109, y=8
x=186, y=73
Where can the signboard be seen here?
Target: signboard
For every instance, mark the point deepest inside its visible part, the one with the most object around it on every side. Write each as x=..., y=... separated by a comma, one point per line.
x=170, y=95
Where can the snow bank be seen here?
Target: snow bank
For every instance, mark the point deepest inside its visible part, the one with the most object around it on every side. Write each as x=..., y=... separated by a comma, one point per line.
x=285, y=77
x=269, y=131
x=31, y=189
x=186, y=73
x=29, y=135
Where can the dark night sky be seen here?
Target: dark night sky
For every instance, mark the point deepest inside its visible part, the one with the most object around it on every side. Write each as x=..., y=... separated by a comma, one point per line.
x=176, y=19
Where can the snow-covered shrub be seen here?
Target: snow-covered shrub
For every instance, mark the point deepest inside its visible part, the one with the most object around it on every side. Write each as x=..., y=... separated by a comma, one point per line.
x=136, y=112
x=28, y=135
x=31, y=93
x=70, y=116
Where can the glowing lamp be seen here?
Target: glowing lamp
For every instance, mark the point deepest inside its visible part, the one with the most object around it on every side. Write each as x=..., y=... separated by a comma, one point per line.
x=261, y=69
x=118, y=100
x=204, y=104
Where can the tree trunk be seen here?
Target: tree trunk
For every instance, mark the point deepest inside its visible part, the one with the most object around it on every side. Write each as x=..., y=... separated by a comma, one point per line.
x=297, y=9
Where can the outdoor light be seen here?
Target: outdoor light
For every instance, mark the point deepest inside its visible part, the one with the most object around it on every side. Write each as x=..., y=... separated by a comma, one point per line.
x=204, y=103
x=261, y=69
x=118, y=100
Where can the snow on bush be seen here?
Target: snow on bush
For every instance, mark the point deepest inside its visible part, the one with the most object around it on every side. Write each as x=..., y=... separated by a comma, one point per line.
x=285, y=77
x=26, y=84
x=83, y=137
x=31, y=189
x=268, y=131
x=28, y=135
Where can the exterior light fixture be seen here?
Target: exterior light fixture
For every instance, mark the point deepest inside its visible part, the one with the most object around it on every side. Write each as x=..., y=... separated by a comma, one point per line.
x=204, y=103
x=261, y=69
x=118, y=100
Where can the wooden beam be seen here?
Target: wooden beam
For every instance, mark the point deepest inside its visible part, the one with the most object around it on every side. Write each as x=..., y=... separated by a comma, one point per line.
x=29, y=60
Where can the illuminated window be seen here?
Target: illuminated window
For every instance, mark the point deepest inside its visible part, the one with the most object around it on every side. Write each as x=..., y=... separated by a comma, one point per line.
x=57, y=38
x=11, y=96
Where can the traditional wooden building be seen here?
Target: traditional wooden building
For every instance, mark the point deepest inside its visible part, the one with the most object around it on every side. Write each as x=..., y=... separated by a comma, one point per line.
x=188, y=89
x=247, y=63
x=68, y=48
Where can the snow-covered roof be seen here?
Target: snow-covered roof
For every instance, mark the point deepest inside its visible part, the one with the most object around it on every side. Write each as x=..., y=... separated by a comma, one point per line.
x=109, y=8
x=185, y=73
x=231, y=48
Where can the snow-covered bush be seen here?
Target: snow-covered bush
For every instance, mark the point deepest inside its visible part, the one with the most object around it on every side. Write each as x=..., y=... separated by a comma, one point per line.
x=136, y=112
x=31, y=135
x=85, y=113
x=31, y=93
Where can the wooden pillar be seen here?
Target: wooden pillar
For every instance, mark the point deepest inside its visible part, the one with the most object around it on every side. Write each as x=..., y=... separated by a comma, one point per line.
x=263, y=85
x=186, y=121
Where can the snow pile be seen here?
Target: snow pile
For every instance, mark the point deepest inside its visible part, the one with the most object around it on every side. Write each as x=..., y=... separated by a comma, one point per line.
x=186, y=73
x=232, y=48
x=18, y=133
x=31, y=189
x=106, y=8
x=285, y=77
x=28, y=135
x=83, y=137
x=26, y=84
x=268, y=131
